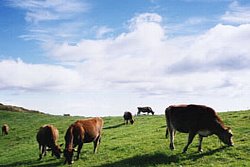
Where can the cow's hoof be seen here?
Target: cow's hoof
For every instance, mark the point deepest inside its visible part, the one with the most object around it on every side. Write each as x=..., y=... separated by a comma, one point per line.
x=171, y=146
x=184, y=151
x=200, y=150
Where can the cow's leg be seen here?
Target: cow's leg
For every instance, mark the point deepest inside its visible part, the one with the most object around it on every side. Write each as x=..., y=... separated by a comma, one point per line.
x=96, y=142
x=79, y=150
x=190, y=139
x=200, y=143
x=166, y=132
x=40, y=151
x=43, y=152
x=171, y=132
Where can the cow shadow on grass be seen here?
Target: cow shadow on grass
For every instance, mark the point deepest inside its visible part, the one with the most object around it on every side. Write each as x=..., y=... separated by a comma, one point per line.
x=114, y=126
x=144, y=160
x=160, y=159
x=196, y=155
x=35, y=163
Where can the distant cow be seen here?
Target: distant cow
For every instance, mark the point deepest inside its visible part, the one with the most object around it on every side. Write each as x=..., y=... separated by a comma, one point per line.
x=145, y=110
x=82, y=131
x=195, y=119
x=5, y=129
x=47, y=136
x=128, y=117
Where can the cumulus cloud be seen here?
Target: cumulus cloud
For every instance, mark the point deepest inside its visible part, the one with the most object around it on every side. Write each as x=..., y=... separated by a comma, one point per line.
x=147, y=61
x=223, y=47
x=16, y=74
x=144, y=60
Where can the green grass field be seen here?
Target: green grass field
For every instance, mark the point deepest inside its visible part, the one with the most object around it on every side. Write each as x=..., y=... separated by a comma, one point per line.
x=141, y=144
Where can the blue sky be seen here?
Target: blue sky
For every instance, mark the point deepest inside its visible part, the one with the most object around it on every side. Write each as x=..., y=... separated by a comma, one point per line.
x=98, y=58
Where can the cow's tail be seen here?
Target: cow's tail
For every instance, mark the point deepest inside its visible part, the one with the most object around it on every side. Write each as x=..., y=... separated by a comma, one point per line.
x=167, y=116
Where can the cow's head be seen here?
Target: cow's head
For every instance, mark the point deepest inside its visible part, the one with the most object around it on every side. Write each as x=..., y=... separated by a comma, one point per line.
x=227, y=137
x=57, y=151
x=132, y=121
x=68, y=154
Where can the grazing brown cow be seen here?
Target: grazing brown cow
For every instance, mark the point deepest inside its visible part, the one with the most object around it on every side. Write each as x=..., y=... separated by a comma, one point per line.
x=82, y=131
x=195, y=119
x=128, y=117
x=145, y=110
x=5, y=129
x=47, y=136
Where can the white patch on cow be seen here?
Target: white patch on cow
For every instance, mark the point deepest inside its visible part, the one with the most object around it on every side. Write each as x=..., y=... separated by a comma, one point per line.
x=204, y=132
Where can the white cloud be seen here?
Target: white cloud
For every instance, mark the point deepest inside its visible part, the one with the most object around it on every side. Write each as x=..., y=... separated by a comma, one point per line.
x=57, y=20
x=38, y=11
x=223, y=47
x=146, y=61
x=102, y=31
x=237, y=14
x=38, y=77
x=210, y=68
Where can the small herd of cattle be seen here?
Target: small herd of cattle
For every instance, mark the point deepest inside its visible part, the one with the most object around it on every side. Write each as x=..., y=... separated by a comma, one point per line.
x=191, y=119
x=82, y=131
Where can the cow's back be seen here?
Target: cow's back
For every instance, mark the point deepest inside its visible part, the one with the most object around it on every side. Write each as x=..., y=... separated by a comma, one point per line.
x=92, y=128
x=47, y=134
x=127, y=115
x=184, y=118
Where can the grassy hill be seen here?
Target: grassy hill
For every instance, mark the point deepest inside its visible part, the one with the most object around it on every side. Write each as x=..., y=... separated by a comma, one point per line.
x=141, y=144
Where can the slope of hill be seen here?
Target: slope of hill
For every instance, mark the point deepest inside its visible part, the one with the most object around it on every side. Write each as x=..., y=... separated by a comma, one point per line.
x=141, y=144
x=16, y=109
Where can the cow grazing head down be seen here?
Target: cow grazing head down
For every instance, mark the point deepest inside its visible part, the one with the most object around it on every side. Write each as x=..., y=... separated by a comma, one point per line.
x=47, y=136
x=82, y=131
x=68, y=154
x=57, y=151
x=127, y=116
x=195, y=119
x=227, y=137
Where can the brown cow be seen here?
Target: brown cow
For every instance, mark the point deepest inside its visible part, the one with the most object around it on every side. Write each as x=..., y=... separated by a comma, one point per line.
x=5, y=129
x=82, y=131
x=47, y=136
x=195, y=119
x=128, y=117
x=145, y=110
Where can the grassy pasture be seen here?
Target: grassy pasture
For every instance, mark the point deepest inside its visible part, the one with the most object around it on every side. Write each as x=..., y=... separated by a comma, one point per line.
x=141, y=144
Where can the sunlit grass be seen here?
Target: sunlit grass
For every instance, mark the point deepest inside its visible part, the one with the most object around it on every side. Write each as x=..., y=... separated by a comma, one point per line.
x=141, y=144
